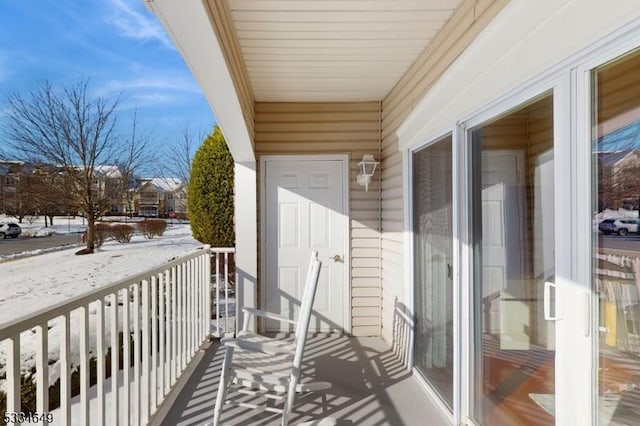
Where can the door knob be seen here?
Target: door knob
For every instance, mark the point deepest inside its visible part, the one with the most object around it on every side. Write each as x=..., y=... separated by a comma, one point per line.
x=336, y=258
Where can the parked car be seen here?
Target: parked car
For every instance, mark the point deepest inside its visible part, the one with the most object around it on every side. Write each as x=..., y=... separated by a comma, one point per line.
x=620, y=226
x=626, y=225
x=607, y=226
x=10, y=230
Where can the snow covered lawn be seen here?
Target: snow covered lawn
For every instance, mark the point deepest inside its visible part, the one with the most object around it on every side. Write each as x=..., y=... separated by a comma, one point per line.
x=36, y=282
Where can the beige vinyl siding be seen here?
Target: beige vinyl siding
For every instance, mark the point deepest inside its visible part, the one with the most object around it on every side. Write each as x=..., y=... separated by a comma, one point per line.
x=222, y=24
x=468, y=21
x=618, y=91
x=337, y=128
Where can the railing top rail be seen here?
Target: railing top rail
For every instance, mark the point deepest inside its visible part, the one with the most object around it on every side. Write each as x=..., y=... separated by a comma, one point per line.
x=34, y=319
x=223, y=249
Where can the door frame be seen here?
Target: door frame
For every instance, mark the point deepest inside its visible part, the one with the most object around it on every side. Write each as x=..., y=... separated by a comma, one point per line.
x=344, y=159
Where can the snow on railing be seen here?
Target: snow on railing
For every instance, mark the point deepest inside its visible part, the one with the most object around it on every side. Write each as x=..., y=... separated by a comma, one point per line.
x=223, y=292
x=167, y=314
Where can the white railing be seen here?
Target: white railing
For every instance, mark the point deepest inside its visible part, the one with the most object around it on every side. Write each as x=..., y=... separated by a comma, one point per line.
x=166, y=313
x=223, y=292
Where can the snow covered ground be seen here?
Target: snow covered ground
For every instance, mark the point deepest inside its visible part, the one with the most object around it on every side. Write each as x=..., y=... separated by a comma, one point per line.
x=36, y=282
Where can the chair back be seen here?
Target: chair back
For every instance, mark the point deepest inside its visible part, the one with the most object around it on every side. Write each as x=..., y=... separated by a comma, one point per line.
x=304, y=316
x=308, y=296
x=306, y=306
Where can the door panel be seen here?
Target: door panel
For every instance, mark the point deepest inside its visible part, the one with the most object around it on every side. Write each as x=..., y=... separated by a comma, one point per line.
x=513, y=232
x=305, y=211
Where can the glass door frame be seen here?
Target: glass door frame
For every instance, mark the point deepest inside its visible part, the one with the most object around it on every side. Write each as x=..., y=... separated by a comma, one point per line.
x=557, y=84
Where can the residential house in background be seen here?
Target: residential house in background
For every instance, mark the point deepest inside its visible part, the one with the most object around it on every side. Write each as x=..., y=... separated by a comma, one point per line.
x=475, y=232
x=109, y=186
x=175, y=197
x=10, y=174
x=148, y=197
x=160, y=197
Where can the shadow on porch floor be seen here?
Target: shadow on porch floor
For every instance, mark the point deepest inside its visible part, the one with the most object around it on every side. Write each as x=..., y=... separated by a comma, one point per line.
x=370, y=387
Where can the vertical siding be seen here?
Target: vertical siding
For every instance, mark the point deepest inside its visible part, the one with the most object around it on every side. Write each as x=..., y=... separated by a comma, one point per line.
x=223, y=26
x=337, y=128
x=470, y=19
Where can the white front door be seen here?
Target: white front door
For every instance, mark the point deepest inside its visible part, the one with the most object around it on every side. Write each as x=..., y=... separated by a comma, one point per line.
x=305, y=209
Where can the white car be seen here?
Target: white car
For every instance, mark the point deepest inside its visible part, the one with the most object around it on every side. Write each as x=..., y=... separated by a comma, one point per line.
x=8, y=229
x=626, y=225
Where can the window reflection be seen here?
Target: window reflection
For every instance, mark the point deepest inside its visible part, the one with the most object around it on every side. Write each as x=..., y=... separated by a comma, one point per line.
x=616, y=159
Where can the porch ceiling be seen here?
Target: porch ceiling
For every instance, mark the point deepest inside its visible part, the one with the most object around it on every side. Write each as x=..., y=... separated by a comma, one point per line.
x=331, y=50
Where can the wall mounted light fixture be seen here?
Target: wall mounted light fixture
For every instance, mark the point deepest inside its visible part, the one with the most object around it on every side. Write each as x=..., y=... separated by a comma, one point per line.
x=367, y=169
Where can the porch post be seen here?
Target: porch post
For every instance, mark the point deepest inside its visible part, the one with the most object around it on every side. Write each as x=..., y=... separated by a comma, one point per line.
x=246, y=223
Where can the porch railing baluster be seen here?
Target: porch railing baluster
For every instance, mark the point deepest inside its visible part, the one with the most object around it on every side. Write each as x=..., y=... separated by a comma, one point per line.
x=154, y=346
x=146, y=352
x=13, y=373
x=84, y=365
x=100, y=353
x=162, y=337
x=115, y=353
x=126, y=356
x=136, y=351
x=42, y=368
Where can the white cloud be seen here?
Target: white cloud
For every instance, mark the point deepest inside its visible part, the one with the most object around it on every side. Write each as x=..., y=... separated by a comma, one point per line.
x=159, y=84
x=134, y=24
x=150, y=91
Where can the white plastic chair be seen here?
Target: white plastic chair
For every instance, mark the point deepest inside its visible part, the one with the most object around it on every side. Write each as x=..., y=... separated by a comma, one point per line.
x=267, y=366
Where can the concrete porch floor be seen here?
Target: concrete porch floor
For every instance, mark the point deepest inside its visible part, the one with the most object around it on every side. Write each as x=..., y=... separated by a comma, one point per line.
x=370, y=387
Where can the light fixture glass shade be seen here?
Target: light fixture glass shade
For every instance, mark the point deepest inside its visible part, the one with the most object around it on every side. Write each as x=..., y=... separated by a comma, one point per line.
x=367, y=169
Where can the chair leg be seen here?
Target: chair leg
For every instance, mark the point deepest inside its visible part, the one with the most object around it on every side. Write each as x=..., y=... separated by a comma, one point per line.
x=223, y=386
x=291, y=395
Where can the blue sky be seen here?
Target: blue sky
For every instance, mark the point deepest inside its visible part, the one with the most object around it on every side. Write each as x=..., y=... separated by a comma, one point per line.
x=118, y=45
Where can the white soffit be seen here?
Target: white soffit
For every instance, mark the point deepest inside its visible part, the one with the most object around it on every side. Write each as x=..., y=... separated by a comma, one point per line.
x=333, y=50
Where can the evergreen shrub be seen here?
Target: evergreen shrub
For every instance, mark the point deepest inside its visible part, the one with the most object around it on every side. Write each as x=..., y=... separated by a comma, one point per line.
x=210, y=201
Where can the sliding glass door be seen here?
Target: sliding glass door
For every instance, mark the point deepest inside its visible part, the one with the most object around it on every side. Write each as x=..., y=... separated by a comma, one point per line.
x=433, y=266
x=512, y=233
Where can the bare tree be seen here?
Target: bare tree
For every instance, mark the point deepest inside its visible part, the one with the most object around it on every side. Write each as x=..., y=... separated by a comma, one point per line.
x=137, y=157
x=46, y=181
x=78, y=134
x=180, y=155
